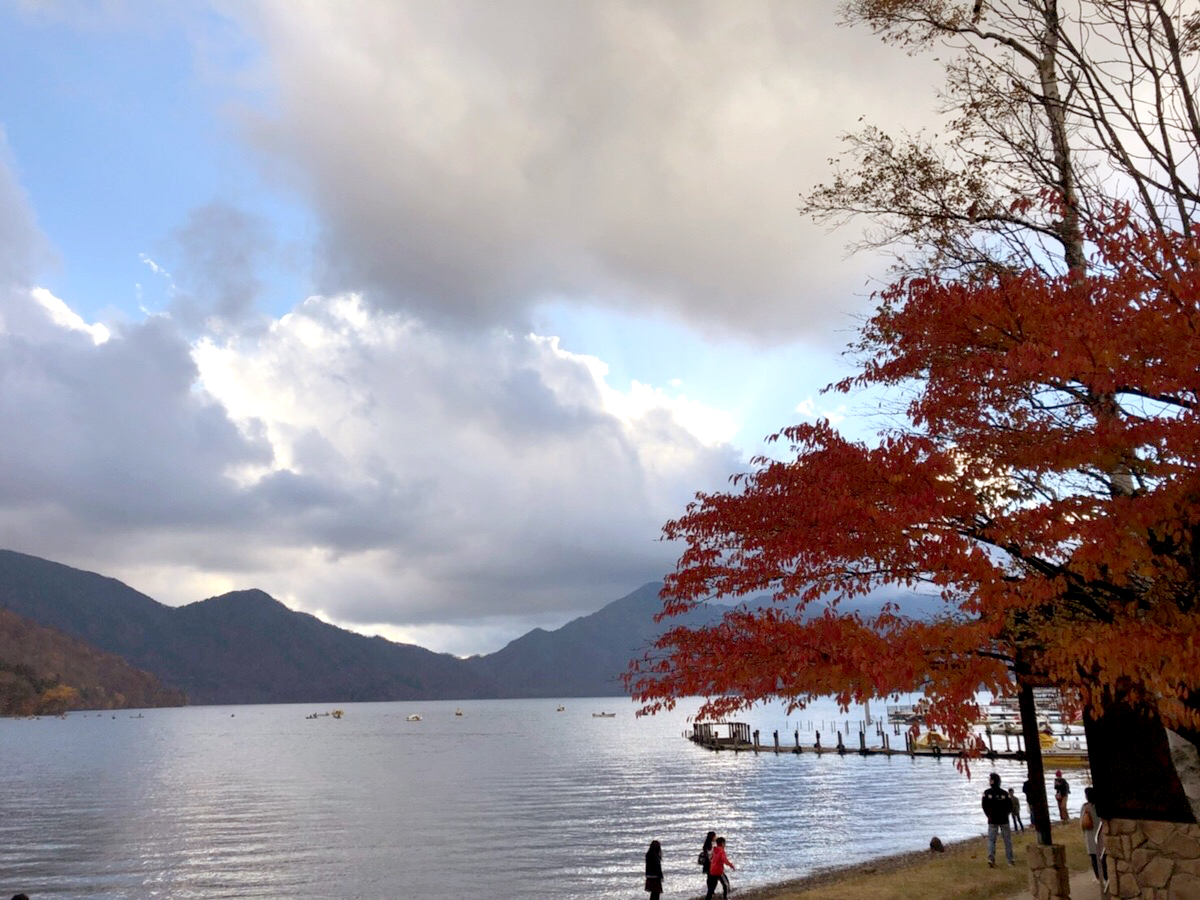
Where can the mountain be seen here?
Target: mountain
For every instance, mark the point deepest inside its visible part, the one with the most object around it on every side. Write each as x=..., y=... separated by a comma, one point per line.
x=43, y=670
x=586, y=657
x=242, y=647
x=246, y=647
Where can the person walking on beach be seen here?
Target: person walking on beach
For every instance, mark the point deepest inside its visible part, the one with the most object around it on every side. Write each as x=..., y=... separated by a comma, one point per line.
x=654, y=875
x=706, y=853
x=1062, y=790
x=717, y=865
x=1017, y=825
x=997, y=806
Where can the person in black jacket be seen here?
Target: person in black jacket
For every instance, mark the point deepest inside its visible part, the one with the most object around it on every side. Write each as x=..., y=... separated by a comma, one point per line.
x=706, y=852
x=1062, y=790
x=654, y=875
x=997, y=806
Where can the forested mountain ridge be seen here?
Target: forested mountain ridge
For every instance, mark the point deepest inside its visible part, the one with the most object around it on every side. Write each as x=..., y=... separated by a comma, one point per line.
x=43, y=671
x=246, y=647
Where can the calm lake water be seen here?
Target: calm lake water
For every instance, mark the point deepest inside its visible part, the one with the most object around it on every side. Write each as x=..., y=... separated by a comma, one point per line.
x=512, y=798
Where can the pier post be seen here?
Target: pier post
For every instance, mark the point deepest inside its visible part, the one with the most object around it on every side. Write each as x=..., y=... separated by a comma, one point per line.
x=862, y=743
x=797, y=738
x=755, y=740
x=817, y=743
x=841, y=748
x=776, y=740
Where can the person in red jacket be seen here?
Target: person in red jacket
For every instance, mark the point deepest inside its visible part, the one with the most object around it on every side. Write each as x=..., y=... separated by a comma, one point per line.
x=716, y=870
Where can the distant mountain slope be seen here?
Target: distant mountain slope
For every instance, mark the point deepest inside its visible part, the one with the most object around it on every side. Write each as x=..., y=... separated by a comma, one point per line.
x=243, y=647
x=43, y=670
x=586, y=657
x=96, y=609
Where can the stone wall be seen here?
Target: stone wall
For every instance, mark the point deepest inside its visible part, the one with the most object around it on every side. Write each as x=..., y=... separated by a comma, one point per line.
x=1152, y=860
x=1048, y=876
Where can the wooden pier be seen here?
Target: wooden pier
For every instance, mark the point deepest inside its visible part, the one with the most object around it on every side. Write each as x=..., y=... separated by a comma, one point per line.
x=737, y=737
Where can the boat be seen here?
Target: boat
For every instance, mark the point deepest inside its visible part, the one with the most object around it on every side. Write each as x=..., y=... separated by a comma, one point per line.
x=603, y=715
x=561, y=708
x=458, y=712
x=413, y=718
x=337, y=713
x=931, y=740
x=721, y=735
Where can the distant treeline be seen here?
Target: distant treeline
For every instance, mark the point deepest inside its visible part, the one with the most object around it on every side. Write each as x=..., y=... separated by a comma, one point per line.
x=46, y=672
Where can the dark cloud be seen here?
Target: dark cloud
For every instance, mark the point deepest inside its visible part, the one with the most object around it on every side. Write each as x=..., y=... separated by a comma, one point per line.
x=216, y=258
x=116, y=432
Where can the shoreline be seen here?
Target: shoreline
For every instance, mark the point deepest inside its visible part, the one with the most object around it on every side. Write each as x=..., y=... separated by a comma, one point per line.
x=880, y=865
x=910, y=873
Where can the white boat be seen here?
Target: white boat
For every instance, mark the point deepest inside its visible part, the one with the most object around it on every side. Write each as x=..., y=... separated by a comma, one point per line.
x=458, y=712
x=414, y=718
x=561, y=708
x=603, y=715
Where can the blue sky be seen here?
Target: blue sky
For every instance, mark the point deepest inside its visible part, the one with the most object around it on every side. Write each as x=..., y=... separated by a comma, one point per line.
x=420, y=317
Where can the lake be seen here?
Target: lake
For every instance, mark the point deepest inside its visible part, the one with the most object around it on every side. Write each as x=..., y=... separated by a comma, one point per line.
x=511, y=798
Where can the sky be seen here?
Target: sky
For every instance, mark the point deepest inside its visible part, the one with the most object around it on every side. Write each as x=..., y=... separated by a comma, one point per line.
x=422, y=317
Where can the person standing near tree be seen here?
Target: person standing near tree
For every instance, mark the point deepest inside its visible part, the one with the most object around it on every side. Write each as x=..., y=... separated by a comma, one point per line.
x=1062, y=791
x=997, y=806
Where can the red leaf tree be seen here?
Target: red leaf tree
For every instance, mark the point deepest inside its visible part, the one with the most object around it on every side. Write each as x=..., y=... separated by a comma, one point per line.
x=1045, y=483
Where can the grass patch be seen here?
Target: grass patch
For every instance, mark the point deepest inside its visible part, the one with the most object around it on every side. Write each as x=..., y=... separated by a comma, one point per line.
x=961, y=872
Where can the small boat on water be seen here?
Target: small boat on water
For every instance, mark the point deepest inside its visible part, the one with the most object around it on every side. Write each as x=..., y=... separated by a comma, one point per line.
x=413, y=718
x=458, y=712
x=603, y=715
x=561, y=708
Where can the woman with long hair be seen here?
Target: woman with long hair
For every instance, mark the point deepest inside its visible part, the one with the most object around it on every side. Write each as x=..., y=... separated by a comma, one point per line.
x=654, y=876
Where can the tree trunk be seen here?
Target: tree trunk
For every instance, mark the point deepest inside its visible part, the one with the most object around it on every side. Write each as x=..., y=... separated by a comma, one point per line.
x=1039, y=808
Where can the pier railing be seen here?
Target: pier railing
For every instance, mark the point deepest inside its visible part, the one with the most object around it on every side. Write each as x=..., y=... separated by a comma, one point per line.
x=873, y=738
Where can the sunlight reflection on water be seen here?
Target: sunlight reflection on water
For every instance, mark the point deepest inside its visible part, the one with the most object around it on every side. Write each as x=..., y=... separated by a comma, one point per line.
x=512, y=797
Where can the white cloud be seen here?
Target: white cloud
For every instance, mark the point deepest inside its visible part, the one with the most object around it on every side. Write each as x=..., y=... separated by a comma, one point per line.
x=422, y=477
x=458, y=488
x=810, y=410
x=469, y=160
x=399, y=452
x=65, y=317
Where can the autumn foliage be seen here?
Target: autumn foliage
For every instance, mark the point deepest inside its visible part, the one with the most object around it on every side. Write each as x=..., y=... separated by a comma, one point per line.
x=1045, y=482
x=46, y=672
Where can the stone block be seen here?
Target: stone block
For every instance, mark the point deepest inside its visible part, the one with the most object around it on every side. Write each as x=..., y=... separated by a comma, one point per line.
x=1188, y=867
x=1184, y=843
x=1142, y=856
x=1157, y=872
x=1157, y=832
x=1184, y=887
x=1127, y=886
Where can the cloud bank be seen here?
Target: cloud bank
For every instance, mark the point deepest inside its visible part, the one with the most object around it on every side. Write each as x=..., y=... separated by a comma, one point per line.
x=470, y=160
